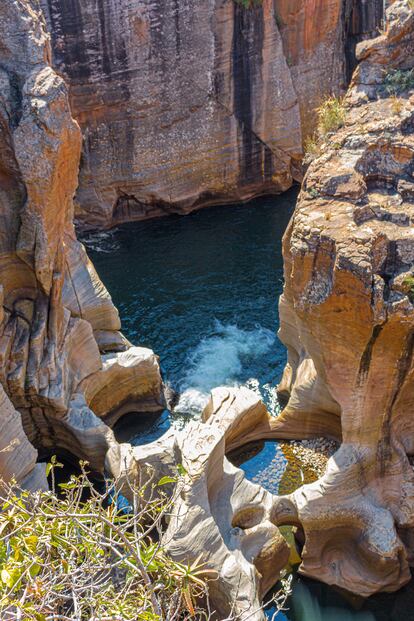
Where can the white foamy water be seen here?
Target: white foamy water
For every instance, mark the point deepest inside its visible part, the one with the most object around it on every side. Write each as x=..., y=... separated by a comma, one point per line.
x=221, y=359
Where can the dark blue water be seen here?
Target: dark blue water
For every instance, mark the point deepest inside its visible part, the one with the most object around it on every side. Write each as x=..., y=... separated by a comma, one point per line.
x=202, y=292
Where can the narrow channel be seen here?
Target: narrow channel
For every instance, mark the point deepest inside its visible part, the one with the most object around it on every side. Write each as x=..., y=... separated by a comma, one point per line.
x=202, y=292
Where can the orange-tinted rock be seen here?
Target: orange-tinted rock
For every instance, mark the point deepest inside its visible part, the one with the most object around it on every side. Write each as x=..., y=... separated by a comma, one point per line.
x=52, y=299
x=347, y=318
x=186, y=104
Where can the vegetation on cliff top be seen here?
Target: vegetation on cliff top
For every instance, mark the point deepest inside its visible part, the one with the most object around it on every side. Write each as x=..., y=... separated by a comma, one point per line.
x=330, y=117
x=66, y=558
x=398, y=81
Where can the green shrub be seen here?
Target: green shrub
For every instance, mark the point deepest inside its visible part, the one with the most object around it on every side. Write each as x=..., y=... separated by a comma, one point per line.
x=408, y=284
x=398, y=81
x=313, y=193
x=83, y=555
x=63, y=558
x=331, y=116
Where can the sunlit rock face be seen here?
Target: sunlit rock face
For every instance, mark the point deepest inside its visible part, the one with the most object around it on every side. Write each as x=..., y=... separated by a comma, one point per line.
x=347, y=318
x=54, y=309
x=191, y=103
x=218, y=516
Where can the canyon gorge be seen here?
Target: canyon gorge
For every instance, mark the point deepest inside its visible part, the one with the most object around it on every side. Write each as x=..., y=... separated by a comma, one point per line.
x=116, y=111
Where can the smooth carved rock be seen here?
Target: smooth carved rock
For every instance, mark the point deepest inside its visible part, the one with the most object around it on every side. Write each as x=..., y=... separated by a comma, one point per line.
x=218, y=514
x=347, y=319
x=14, y=443
x=245, y=419
x=136, y=375
x=54, y=311
x=192, y=103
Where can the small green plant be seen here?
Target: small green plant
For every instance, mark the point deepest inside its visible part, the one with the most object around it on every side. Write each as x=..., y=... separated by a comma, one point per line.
x=313, y=193
x=331, y=115
x=408, y=284
x=398, y=81
x=411, y=4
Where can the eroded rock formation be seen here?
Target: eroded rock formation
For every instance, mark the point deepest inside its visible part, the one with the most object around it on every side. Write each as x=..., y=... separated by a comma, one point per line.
x=347, y=318
x=219, y=517
x=55, y=312
x=190, y=103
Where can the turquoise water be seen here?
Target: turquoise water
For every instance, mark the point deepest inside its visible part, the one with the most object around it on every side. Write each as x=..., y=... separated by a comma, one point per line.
x=202, y=291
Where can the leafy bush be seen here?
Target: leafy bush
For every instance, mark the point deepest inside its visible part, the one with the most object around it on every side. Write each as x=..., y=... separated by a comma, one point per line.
x=398, y=81
x=82, y=555
x=63, y=558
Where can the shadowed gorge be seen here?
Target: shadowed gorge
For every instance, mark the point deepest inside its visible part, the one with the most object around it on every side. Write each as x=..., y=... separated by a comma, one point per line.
x=261, y=463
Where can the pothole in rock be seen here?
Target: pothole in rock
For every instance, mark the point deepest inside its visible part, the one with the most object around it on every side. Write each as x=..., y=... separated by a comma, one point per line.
x=282, y=467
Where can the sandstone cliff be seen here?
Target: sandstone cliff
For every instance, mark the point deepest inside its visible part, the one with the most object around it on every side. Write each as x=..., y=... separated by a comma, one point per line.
x=191, y=103
x=55, y=312
x=347, y=318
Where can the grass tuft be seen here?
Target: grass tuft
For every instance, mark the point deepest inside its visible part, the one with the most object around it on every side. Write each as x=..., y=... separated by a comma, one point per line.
x=331, y=116
x=397, y=104
x=408, y=284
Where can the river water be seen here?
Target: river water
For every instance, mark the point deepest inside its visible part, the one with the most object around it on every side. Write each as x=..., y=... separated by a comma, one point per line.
x=202, y=291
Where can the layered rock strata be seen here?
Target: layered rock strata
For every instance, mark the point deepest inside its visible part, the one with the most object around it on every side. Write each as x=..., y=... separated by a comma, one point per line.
x=55, y=312
x=191, y=103
x=347, y=319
